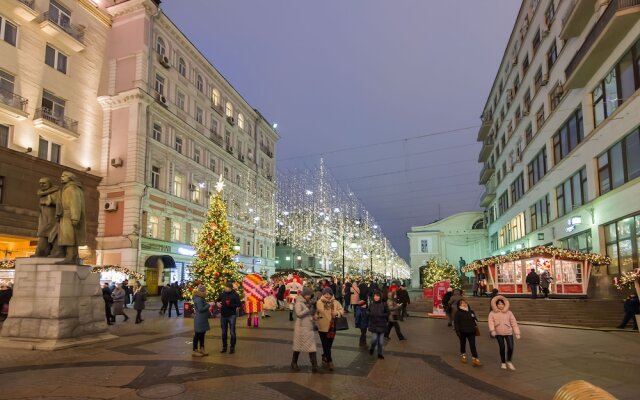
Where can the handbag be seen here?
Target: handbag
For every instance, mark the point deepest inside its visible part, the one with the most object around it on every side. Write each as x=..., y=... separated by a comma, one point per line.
x=477, y=331
x=341, y=323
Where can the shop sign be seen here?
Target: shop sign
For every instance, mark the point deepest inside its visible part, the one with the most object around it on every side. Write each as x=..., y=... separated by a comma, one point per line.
x=156, y=247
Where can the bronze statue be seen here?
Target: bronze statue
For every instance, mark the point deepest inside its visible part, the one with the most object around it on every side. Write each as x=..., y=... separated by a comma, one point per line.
x=70, y=212
x=47, y=224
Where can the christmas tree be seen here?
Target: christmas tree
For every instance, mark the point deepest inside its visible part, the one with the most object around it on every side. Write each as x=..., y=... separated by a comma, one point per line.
x=438, y=270
x=214, y=265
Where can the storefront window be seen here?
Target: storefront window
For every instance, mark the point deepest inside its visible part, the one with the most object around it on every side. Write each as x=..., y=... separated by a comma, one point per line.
x=571, y=271
x=622, y=242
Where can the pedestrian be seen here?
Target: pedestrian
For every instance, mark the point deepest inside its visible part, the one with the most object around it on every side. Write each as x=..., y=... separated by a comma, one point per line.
x=127, y=292
x=280, y=295
x=394, y=314
x=446, y=306
x=118, y=295
x=200, y=320
x=378, y=316
x=229, y=302
x=139, y=300
x=453, y=303
x=327, y=308
x=304, y=339
x=533, y=281
x=631, y=308
x=502, y=326
x=362, y=321
x=405, y=300
x=164, y=297
x=355, y=296
x=172, y=297
x=466, y=324
x=346, y=294
x=364, y=291
x=545, y=282
x=108, y=302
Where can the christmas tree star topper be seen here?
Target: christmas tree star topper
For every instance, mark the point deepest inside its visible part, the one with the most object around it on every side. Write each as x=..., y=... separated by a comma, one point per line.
x=220, y=184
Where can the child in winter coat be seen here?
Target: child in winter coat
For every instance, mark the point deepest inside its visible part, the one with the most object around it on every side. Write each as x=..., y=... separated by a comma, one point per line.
x=502, y=326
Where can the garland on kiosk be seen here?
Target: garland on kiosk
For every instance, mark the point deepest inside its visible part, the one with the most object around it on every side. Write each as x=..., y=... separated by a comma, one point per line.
x=627, y=280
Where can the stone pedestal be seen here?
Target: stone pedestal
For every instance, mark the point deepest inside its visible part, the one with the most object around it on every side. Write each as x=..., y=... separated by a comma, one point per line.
x=54, y=306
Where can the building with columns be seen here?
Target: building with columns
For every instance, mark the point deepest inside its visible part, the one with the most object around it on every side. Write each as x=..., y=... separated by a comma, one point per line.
x=114, y=89
x=560, y=135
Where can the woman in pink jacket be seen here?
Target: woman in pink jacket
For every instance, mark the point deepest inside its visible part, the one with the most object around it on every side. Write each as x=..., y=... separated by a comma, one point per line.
x=502, y=326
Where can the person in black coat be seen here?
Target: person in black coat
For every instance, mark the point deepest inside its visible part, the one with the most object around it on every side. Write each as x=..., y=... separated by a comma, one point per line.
x=533, y=281
x=173, y=298
x=364, y=291
x=378, y=317
x=164, y=297
x=127, y=292
x=229, y=302
x=403, y=297
x=280, y=295
x=108, y=302
x=631, y=308
x=465, y=323
x=446, y=306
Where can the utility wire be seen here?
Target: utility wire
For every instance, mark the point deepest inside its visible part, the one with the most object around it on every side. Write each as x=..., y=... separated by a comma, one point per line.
x=403, y=170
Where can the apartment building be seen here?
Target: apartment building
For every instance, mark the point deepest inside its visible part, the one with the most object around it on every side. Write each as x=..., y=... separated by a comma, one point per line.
x=560, y=134
x=115, y=91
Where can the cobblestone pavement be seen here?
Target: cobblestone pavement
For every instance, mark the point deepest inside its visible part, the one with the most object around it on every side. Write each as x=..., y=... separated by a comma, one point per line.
x=153, y=360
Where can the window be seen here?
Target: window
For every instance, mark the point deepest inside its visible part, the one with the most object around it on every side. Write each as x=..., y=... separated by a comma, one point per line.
x=535, y=42
x=194, y=235
x=228, y=111
x=177, y=185
x=212, y=164
x=527, y=101
x=620, y=163
x=425, y=246
x=528, y=134
x=512, y=231
x=55, y=59
x=605, y=97
x=49, y=150
x=537, y=168
x=622, y=241
x=572, y=193
x=153, y=227
x=215, y=97
x=503, y=203
x=196, y=155
x=8, y=31
x=195, y=194
x=53, y=107
x=555, y=96
x=517, y=188
x=226, y=173
x=160, y=47
x=540, y=213
x=7, y=87
x=180, y=100
x=59, y=14
x=155, y=177
x=182, y=67
x=479, y=224
x=240, y=121
x=159, y=85
x=549, y=14
x=176, y=231
x=537, y=80
x=4, y=136
x=568, y=136
x=156, y=133
x=214, y=125
x=580, y=242
x=516, y=84
x=525, y=64
x=199, y=83
x=540, y=118
x=178, y=144
x=552, y=55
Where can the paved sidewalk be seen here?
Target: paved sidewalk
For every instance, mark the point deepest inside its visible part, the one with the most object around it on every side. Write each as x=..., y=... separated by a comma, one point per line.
x=153, y=360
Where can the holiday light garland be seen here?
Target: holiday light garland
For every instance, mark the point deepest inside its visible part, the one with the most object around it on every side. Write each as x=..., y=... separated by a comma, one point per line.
x=438, y=270
x=540, y=251
x=116, y=268
x=627, y=280
x=7, y=264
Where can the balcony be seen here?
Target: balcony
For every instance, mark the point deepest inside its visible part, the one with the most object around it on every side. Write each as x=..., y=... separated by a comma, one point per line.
x=61, y=126
x=13, y=105
x=24, y=9
x=487, y=121
x=612, y=26
x=577, y=17
x=266, y=150
x=487, y=146
x=486, y=173
x=488, y=195
x=215, y=138
x=68, y=35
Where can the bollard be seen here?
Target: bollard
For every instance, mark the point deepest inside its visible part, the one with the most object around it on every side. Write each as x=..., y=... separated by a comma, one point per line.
x=581, y=390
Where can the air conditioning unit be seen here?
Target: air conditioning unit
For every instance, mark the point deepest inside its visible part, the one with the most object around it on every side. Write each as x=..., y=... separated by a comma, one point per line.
x=161, y=99
x=544, y=33
x=116, y=162
x=110, y=205
x=545, y=80
x=230, y=149
x=164, y=60
x=193, y=187
x=231, y=121
x=241, y=157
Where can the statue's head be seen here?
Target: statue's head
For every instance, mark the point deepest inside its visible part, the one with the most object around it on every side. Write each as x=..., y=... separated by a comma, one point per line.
x=45, y=183
x=68, y=177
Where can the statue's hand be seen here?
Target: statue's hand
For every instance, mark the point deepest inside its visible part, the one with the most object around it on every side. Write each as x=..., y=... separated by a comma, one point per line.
x=75, y=222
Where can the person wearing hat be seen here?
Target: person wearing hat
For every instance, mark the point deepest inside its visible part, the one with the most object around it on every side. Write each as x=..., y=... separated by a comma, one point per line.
x=304, y=339
x=229, y=302
x=200, y=320
x=327, y=308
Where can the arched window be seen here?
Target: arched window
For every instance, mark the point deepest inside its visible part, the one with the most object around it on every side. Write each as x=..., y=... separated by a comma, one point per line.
x=200, y=83
x=182, y=67
x=160, y=47
x=479, y=224
x=228, y=110
x=215, y=97
x=241, y=120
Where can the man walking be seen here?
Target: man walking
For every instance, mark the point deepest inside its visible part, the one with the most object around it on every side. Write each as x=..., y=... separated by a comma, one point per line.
x=173, y=296
x=403, y=297
x=229, y=302
x=533, y=281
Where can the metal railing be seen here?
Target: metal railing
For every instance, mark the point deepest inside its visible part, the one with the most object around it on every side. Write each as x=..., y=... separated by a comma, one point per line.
x=74, y=31
x=61, y=121
x=215, y=138
x=485, y=169
x=266, y=150
x=604, y=20
x=13, y=100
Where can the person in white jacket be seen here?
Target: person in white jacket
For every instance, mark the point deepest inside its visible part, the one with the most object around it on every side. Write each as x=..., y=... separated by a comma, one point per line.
x=502, y=326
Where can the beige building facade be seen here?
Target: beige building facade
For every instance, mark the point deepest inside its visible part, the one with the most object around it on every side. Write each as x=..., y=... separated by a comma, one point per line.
x=561, y=145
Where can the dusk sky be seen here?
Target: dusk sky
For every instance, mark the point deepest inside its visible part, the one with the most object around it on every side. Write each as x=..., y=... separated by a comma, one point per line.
x=343, y=74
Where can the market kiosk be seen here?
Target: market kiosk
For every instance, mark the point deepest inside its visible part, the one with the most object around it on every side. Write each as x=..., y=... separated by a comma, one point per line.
x=569, y=269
